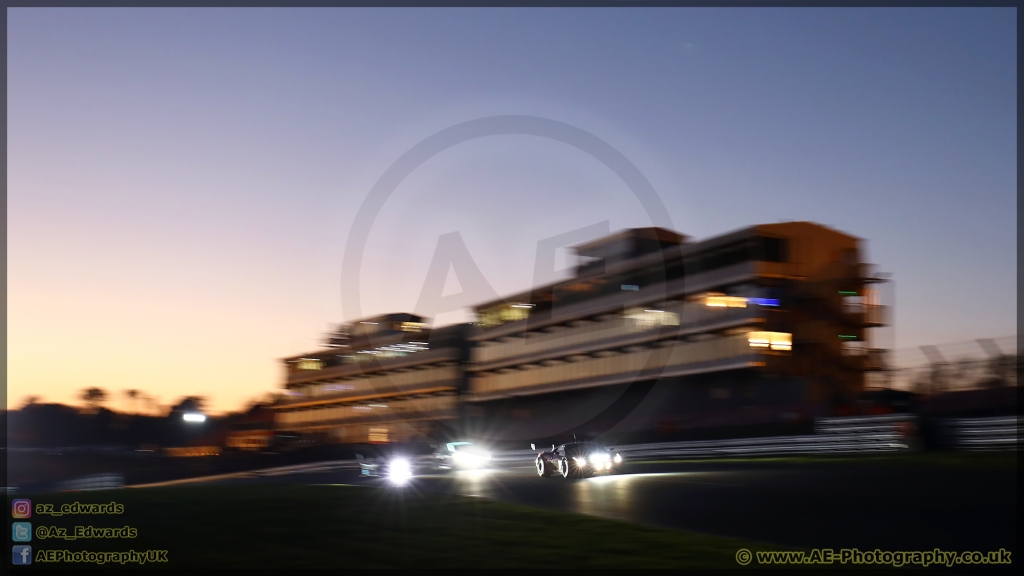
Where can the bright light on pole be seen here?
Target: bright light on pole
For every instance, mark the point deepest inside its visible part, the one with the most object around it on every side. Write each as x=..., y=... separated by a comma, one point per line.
x=193, y=417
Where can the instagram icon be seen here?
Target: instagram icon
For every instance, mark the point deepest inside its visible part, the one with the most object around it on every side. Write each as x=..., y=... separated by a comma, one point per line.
x=21, y=508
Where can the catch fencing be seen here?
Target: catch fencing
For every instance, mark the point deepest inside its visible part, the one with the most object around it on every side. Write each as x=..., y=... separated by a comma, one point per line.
x=952, y=367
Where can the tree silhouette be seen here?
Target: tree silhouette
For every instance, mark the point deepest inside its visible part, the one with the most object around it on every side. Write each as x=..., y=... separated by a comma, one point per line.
x=93, y=397
x=267, y=399
x=152, y=406
x=190, y=404
x=1001, y=370
x=133, y=399
x=30, y=400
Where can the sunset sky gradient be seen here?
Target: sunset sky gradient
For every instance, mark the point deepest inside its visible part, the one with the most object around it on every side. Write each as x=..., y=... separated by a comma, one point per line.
x=181, y=182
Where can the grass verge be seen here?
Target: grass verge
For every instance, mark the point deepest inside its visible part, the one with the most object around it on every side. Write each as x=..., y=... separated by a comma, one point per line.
x=339, y=526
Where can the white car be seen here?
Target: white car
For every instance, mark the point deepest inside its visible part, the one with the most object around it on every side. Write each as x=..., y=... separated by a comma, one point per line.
x=461, y=456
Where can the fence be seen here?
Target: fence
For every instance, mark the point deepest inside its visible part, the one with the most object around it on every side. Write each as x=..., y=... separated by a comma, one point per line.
x=983, y=363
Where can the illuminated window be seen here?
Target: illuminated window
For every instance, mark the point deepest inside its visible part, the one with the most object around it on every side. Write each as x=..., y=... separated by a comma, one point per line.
x=852, y=304
x=645, y=319
x=378, y=435
x=515, y=313
x=412, y=326
x=772, y=340
x=503, y=314
x=715, y=300
x=310, y=364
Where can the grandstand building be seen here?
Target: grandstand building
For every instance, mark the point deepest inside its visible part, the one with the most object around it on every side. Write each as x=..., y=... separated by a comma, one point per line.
x=653, y=334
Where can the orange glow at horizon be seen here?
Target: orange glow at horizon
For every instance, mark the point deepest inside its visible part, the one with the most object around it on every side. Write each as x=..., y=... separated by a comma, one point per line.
x=165, y=346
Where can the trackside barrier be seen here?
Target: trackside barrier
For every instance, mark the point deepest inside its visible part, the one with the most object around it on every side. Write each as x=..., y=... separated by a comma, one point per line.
x=279, y=471
x=308, y=468
x=857, y=434
x=888, y=423
x=833, y=435
x=995, y=433
x=95, y=482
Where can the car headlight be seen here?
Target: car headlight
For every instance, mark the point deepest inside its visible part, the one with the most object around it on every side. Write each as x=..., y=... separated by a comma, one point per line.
x=399, y=471
x=618, y=459
x=582, y=461
x=599, y=458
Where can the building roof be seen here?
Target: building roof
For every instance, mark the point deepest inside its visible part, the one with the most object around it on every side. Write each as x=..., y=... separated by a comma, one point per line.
x=662, y=235
x=669, y=237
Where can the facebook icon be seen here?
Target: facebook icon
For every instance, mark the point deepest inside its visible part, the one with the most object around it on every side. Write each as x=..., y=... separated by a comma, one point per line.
x=22, y=555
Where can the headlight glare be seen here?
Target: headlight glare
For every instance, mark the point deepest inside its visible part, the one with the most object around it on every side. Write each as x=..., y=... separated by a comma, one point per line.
x=399, y=471
x=471, y=459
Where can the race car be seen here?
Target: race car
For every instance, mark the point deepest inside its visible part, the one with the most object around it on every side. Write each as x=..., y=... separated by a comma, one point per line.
x=577, y=459
x=461, y=456
x=397, y=469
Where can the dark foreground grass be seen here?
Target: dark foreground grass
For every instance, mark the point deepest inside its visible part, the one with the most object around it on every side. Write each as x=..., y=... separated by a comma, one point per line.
x=999, y=460
x=285, y=527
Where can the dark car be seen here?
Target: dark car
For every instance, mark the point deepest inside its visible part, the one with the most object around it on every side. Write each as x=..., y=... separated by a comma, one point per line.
x=399, y=469
x=397, y=463
x=577, y=459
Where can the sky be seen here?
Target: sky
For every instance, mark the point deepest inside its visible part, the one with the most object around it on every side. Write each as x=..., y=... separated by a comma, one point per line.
x=182, y=183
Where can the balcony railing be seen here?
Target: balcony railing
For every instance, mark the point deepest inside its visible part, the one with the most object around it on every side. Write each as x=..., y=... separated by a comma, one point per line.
x=627, y=365
x=689, y=315
x=876, y=359
x=355, y=369
x=436, y=406
x=369, y=385
x=867, y=314
x=691, y=284
x=876, y=315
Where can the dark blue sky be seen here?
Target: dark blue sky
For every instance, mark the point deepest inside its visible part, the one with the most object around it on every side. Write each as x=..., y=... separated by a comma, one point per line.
x=188, y=168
